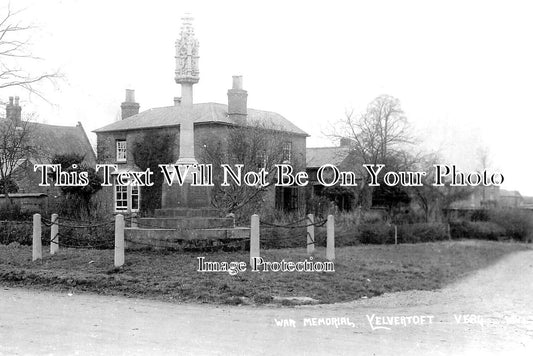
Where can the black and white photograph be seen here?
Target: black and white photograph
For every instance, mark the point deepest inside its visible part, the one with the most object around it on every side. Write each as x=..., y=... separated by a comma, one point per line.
x=266, y=177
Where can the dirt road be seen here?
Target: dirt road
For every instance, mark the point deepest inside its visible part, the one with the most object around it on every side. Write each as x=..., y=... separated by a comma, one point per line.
x=490, y=312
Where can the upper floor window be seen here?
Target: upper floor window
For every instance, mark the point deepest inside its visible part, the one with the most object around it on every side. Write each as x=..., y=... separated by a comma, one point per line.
x=121, y=151
x=287, y=151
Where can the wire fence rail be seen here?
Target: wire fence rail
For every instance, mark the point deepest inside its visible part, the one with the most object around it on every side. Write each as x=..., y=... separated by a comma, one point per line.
x=178, y=242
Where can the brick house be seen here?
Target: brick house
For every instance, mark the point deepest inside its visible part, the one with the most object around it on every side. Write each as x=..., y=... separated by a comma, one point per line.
x=46, y=142
x=209, y=120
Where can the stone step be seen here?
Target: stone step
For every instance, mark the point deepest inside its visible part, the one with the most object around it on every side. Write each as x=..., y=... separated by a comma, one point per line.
x=185, y=222
x=161, y=238
x=187, y=212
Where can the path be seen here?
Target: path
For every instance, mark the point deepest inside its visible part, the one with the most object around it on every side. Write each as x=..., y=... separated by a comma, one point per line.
x=499, y=297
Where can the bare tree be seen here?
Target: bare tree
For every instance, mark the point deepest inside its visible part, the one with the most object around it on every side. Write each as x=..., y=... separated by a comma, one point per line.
x=380, y=135
x=15, y=148
x=19, y=67
x=256, y=146
x=483, y=156
x=483, y=163
x=433, y=200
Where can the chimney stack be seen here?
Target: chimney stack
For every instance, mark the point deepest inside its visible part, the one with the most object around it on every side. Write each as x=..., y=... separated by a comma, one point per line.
x=346, y=142
x=129, y=106
x=177, y=100
x=14, y=111
x=237, y=101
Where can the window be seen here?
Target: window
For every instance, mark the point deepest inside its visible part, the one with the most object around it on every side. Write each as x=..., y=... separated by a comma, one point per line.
x=287, y=150
x=127, y=198
x=121, y=151
x=135, y=197
x=121, y=198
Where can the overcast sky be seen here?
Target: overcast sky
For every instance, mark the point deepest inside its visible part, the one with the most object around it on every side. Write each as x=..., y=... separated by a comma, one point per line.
x=463, y=70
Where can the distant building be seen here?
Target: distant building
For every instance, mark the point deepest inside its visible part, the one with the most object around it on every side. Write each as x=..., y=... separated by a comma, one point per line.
x=481, y=198
x=510, y=199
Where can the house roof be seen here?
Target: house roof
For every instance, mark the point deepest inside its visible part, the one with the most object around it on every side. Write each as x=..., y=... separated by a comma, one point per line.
x=199, y=113
x=510, y=193
x=49, y=140
x=318, y=156
x=528, y=200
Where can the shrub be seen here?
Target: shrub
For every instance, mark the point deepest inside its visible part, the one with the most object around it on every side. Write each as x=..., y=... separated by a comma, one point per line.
x=423, y=232
x=374, y=216
x=343, y=237
x=17, y=232
x=74, y=207
x=480, y=215
x=348, y=220
x=476, y=230
x=12, y=211
x=319, y=206
x=101, y=237
x=376, y=234
x=275, y=237
x=516, y=223
x=8, y=184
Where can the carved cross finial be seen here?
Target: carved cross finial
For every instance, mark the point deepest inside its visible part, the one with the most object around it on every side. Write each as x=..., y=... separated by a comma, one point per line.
x=187, y=57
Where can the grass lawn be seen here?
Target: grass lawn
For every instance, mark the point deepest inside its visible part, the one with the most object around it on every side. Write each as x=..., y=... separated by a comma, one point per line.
x=359, y=271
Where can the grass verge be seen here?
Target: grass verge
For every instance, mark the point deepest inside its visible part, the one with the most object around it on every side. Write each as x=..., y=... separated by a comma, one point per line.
x=360, y=271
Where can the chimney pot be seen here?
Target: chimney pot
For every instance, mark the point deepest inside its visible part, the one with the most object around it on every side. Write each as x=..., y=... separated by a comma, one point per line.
x=130, y=96
x=237, y=82
x=14, y=111
x=346, y=142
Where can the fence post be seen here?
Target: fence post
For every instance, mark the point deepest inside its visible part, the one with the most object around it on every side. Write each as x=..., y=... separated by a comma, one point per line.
x=37, y=251
x=310, y=234
x=254, y=238
x=54, y=235
x=330, y=246
x=119, y=240
x=395, y=235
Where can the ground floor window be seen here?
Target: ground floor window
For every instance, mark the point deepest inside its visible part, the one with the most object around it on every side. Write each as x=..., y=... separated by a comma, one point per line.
x=127, y=198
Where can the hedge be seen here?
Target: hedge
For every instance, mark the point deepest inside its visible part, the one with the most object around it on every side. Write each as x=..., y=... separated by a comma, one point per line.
x=517, y=223
x=21, y=232
x=482, y=230
x=423, y=232
x=375, y=233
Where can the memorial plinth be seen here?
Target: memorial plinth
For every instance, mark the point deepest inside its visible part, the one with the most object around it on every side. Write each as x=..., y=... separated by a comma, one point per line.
x=186, y=196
